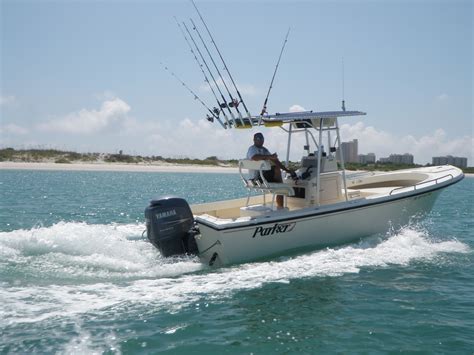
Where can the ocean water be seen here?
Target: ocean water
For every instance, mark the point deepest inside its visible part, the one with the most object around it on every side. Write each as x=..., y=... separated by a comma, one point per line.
x=78, y=277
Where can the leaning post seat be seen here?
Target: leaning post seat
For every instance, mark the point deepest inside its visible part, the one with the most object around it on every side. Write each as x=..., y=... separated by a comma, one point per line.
x=261, y=184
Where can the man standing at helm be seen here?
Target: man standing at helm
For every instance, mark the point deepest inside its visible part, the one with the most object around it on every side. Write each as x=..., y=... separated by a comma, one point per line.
x=258, y=152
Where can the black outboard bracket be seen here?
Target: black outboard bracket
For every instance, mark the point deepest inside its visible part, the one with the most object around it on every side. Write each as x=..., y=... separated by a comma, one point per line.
x=170, y=226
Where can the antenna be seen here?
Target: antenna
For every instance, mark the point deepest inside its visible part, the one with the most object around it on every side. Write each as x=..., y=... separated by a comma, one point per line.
x=343, y=102
x=264, y=108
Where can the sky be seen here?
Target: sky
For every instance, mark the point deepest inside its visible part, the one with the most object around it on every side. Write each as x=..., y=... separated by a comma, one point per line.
x=89, y=76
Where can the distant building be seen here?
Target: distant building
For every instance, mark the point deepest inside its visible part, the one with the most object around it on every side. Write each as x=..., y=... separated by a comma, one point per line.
x=406, y=158
x=460, y=162
x=349, y=151
x=367, y=158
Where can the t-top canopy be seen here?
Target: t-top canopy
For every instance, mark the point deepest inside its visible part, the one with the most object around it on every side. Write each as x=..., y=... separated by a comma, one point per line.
x=299, y=118
x=309, y=115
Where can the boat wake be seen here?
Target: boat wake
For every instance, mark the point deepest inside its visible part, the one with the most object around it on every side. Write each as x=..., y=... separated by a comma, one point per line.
x=87, y=253
x=76, y=268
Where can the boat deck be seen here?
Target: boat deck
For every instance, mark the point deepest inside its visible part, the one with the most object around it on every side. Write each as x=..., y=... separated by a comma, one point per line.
x=234, y=210
x=361, y=187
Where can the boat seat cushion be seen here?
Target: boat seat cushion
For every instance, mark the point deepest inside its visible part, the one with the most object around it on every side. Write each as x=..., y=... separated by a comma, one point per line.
x=261, y=183
x=281, y=188
x=248, y=164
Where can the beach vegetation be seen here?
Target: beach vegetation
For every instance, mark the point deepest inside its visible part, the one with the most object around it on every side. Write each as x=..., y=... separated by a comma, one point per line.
x=380, y=166
x=68, y=157
x=62, y=161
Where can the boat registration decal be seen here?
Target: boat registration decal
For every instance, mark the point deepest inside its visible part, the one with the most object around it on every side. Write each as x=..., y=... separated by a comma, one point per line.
x=275, y=229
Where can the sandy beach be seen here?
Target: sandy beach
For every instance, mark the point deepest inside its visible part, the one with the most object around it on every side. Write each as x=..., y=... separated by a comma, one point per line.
x=169, y=168
x=160, y=168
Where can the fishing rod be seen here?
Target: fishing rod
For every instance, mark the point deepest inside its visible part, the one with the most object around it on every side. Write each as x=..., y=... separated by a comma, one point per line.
x=202, y=70
x=225, y=66
x=264, y=108
x=214, y=112
x=234, y=102
x=224, y=104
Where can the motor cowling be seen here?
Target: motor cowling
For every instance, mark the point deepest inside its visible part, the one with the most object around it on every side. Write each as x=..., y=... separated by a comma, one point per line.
x=170, y=226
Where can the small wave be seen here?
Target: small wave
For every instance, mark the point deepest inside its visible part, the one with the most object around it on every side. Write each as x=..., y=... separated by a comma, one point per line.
x=170, y=285
x=82, y=252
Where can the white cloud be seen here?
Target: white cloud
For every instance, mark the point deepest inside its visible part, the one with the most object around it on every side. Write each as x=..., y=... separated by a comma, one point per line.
x=106, y=95
x=442, y=97
x=131, y=126
x=297, y=108
x=248, y=89
x=7, y=100
x=89, y=121
x=201, y=139
x=423, y=148
x=197, y=139
x=13, y=129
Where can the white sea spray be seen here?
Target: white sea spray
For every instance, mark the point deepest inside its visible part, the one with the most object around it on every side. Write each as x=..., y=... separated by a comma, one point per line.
x=91, y=268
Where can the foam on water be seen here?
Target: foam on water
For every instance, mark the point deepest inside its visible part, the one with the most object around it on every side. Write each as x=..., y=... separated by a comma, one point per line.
x=83, y=343
x=113, y=269
x=84, y=252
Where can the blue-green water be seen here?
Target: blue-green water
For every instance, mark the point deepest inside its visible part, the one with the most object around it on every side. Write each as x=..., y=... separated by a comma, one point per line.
x=76, y=276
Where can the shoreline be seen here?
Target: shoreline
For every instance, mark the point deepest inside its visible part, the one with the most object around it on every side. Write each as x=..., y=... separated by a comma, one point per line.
x=124, y=167
x=171, y=168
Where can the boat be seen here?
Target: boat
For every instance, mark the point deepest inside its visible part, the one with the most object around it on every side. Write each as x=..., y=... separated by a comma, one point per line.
x=323, y=205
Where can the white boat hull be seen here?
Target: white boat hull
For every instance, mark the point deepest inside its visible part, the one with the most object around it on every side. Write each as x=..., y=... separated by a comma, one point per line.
x=253, y=242
x=226, y=241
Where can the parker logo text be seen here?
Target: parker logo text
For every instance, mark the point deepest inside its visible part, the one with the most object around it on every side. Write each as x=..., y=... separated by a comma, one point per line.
x=276, y=229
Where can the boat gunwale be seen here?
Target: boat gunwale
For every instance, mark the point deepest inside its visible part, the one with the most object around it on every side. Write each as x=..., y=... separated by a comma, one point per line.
x=356, y=204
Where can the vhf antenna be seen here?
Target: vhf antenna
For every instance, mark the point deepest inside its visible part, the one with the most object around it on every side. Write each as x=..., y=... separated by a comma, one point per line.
x=264, y=108
x=225, y=66
x=343, y=102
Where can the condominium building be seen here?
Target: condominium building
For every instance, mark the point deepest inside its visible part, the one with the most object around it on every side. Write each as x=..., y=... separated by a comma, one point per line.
x=460, y=162
x=367, y=158
x=350, y=151
x=406, y=158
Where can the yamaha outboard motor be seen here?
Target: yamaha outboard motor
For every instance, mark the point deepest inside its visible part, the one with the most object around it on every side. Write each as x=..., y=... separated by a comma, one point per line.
x=170, y=226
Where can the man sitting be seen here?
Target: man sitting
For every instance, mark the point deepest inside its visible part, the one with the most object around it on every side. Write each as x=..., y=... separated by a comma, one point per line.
x=258, y=152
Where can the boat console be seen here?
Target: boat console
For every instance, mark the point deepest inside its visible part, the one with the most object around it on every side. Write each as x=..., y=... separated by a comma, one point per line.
x=306, y=183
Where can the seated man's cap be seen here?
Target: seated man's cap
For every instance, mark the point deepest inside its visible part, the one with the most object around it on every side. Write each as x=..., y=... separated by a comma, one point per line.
x=258, y=134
